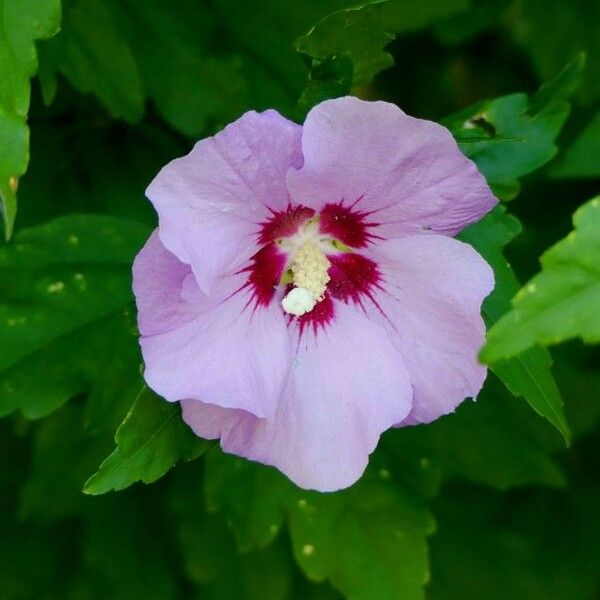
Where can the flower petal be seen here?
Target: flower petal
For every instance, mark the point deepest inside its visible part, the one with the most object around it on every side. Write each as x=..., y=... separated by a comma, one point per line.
x=348, y=385
x=433, y=287
x=211, y=201
x=217, y=349
x=407, y=174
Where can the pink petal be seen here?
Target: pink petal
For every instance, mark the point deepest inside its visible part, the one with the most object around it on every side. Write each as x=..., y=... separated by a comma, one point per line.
x=433, y=287
x=220, y=349
x=348, y=385
x=407, y=174
x=210, y=202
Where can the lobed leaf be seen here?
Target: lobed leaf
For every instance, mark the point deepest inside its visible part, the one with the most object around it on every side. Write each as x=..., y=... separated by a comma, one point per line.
x=362, y=33
x=562, y=301
x=369, y=541
x=514, y=135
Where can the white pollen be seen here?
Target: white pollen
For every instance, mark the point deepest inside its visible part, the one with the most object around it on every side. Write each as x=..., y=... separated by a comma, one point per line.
x=298, y=301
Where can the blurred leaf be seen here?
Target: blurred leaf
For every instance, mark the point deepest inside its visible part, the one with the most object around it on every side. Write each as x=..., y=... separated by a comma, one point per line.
x=552, y=31
x=125, y=551
x=561, y=88
x=189, y=84
x=252, y=498
x=21, y=23
x=61, y=283
x=151, y=439
x=527, y=374
x=580, y=159
x=361, y=34
x=32, y=562
x=562, y=301
x=520, y=131
x=329, y=78
x=125, y=51
x=540, y=545
x=63, y=454
x=511, y=450
x=91, y=52
x=368, y=541
x=212, y=560
x=267, y=29
x=481, y=16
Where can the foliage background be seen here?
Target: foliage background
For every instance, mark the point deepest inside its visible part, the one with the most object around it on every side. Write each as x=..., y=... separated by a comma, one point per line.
x=486, y=503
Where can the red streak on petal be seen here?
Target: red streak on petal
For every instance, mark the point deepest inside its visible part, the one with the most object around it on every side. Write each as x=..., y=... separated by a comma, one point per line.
x=284, y=223
x=319, y=317
x=264, y=273
x=353, y=277
x=346, y=224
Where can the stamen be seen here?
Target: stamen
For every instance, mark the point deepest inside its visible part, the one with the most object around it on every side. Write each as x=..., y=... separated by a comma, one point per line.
x=310, y=278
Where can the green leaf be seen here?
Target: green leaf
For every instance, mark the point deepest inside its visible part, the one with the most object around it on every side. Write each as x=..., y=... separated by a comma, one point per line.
x=580, y=159
x=368, y=541
x=329, y=78
x=151, y=439
x=528, y=373
x=125, y=52
x=561, y=88
x=212, y=560
x=63, y=453
x=126, y=550
x=361, y=34
x=562, y=301
x=511, y=136
x=498, y=546
x=65, y=285
x=189, y=84
x=21, y=23
x=550, y=31
x=513, y=446
x=91, y=52
x=253, y=498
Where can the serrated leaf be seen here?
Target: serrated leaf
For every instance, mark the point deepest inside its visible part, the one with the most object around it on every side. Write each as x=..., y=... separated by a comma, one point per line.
x=368, y=541
x=527, y=374
x=21, y=23
x=562, y=301
x=580, y=159
x=151, y=439
x=66, y=285
x=361, y=34
x=520, y=131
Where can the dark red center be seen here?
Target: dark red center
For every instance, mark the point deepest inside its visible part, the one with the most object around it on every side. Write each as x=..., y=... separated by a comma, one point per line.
x=346, y=224
x=354, y=277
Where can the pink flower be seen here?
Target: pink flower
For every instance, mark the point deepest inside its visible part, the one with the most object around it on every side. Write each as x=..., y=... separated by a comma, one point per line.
x=303, y=292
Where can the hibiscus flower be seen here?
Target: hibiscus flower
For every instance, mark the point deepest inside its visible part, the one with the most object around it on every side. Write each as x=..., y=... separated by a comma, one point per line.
x=303, y=291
